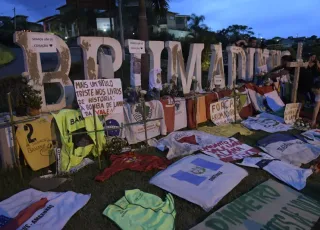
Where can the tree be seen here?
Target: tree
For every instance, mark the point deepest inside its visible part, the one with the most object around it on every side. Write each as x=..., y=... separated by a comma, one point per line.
x=313, y=37
x=160, y=8
x=234, y=33
x=196, y=24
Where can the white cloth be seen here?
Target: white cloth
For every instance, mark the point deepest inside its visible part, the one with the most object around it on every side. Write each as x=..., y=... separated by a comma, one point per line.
x=271, y=116
x=313, y=136
x=180, y=119
x=290, y=174
x=59, y=209
x=265, y=124
x=134, y=113
x=200, y=179
x=257, y=100
x=155, y=79
x=177, y=149
x=317, y=99
x=274, y=101
x=289, y=149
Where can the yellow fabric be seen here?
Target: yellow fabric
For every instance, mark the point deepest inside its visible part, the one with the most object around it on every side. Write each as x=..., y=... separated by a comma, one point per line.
x=34, y=139
x=201, y=110
x=69, y=121
x=226, y=130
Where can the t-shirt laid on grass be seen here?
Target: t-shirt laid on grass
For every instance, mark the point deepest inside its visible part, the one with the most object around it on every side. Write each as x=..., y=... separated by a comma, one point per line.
x=134, y=113
x=270, y=205
x=289, y=149
x=288, y=173
x=200, y=179
x=313, y=136
x=140, y=210
x=58, y=209
x=226, y=130
x=179, y=143
x=265, y=124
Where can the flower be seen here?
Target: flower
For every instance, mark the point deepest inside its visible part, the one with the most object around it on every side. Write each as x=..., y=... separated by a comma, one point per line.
x=237, y=91
x=193, y=78
x=143, y=92
x=158, y=123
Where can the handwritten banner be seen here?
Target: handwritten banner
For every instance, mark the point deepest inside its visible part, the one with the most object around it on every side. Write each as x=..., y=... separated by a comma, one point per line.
x=270, y=205
x=291, y=113
x=222, y=112
x=229, y=150
x=105, y=94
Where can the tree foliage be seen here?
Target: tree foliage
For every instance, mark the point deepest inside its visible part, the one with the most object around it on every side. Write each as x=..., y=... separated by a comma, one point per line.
x=234, y=33
x=196, y=24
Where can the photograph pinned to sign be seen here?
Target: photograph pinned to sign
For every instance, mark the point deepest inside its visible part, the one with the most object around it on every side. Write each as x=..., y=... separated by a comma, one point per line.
x=135, y=70
x=42, y=43
x=229, y=150
x=222, y=112
x=105, y=94
x=136, y=46
x=291, y=113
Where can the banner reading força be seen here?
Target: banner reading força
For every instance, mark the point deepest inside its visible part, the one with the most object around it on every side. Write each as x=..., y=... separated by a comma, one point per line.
x=270, y=205
x=105, y=94
x=229, y=150
x=291, y=113
x=222, y=112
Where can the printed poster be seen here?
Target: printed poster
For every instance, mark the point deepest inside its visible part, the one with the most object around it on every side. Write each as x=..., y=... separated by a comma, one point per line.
x=105, y=94
x=270, y=205
x=222, y=112
x=291, y=113
x=229, y=150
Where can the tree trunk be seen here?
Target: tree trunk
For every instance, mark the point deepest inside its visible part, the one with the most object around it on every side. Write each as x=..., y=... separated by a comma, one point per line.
x=143, y=34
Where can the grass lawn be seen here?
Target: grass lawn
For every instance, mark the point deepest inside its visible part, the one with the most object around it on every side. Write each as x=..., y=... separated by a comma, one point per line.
x=6, y=55
x=108, y=192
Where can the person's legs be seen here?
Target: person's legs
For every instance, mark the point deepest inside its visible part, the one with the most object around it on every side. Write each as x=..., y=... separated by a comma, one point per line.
x=315, y=113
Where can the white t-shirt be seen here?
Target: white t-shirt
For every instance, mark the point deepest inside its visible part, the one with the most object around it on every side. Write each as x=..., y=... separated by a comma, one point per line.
x=200, y=179
x=274, y=101
x=134, y=113
x=257, y=100
x=59, y=209
x=290, y=174
x=313, y=136
x=289, y=149
x=180, y=119
x=265, y=124
x=177, y=148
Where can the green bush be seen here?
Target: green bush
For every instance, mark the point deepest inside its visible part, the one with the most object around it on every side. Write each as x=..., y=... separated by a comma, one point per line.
x=6, y=55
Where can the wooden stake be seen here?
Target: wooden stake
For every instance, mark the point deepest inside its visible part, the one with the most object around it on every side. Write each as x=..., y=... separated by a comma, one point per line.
x=96, y=134
x=15, y=147
x=235, y=101
x=143, y=102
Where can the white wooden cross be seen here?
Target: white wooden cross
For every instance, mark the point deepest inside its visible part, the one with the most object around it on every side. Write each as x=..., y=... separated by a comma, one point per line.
x=297, y=65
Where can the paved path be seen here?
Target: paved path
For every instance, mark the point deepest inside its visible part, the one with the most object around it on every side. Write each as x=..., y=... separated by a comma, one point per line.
x=48, y=61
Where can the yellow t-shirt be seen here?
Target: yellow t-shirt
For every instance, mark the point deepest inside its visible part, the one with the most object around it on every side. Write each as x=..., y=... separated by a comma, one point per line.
x=34, y=139
x=227, y=130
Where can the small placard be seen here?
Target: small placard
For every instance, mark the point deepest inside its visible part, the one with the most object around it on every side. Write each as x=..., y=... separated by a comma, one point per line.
x=218, y=80
x=42, y=43
x=222, y=112
x=105, y=94
x=136, y=46
x=291, y=113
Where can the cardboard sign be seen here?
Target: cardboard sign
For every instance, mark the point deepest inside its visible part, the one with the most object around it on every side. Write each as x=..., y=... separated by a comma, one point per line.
x=229, y=150
x=270, y=205
x=105, y=94
x=136, y=46
x=222, y=112
x=291, y=113
x=42, y=43
x=218, y=80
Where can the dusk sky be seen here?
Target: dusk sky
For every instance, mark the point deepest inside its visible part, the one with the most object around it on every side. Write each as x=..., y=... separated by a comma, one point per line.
x=267, y=18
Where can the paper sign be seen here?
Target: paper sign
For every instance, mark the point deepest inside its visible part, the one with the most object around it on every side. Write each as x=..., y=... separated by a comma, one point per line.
x=229, y=150
x=42, y=43
x=270, y=205
x=105, y=94
x=222, y=112
x=218, y=80
x=9, y=136
x=291, y=113
x=136, y=46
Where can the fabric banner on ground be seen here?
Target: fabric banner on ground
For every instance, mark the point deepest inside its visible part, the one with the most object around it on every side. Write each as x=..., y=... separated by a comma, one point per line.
x=222, y=112
x=265, y=124
x=291, y=113
x=229, y=150
x=270, y=205
x=105, y=94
